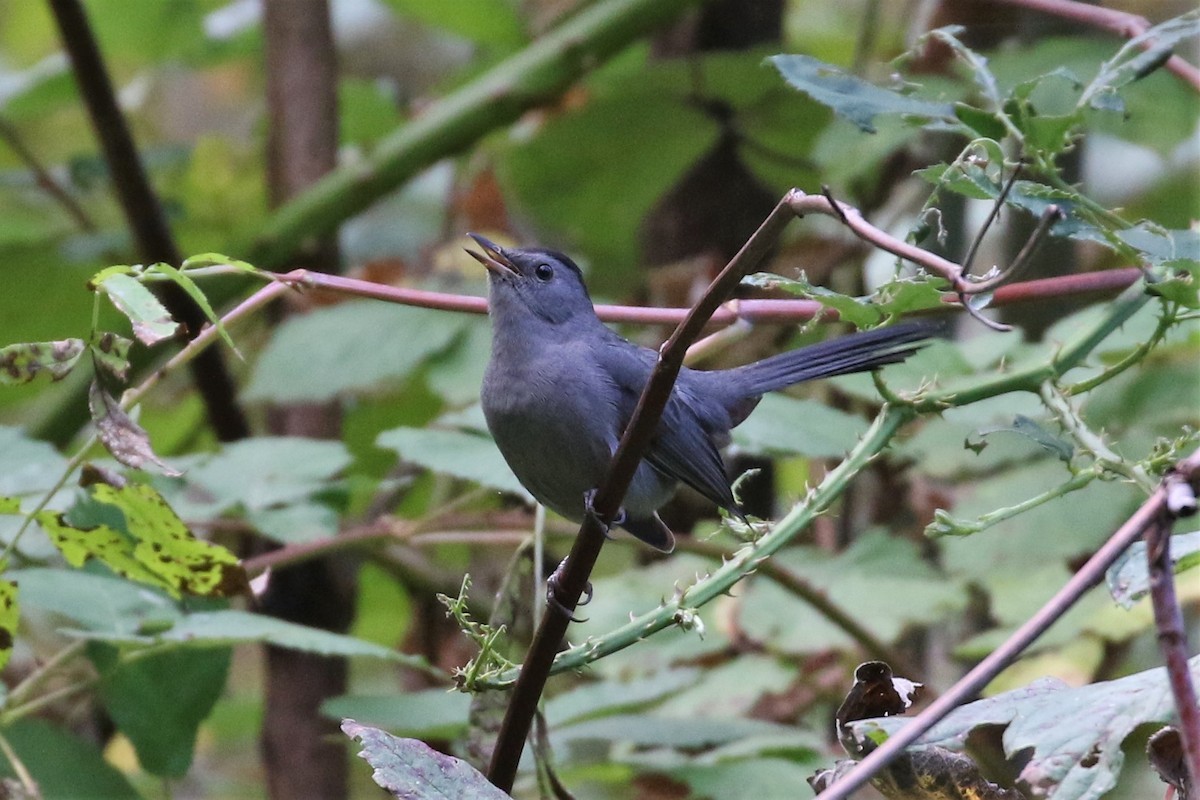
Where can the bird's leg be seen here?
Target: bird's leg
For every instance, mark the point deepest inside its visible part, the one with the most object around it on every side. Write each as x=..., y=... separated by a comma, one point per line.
x=552, y=584
x=590, y=510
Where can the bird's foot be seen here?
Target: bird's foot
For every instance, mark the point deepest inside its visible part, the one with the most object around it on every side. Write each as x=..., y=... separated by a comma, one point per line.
x=589, y=510
x=552, y=586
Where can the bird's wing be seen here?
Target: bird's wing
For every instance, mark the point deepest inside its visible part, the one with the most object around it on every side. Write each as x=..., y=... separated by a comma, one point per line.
x=682, y=448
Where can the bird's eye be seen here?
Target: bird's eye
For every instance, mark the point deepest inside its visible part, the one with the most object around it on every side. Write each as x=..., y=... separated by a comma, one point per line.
x=544, y=272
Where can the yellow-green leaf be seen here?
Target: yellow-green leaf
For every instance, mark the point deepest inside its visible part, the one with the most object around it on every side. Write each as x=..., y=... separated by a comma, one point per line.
x=165, y=546
x=9, y=614
x=21, y=363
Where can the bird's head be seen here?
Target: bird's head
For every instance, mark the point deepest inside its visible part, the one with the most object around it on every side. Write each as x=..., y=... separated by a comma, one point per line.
x=541, y=283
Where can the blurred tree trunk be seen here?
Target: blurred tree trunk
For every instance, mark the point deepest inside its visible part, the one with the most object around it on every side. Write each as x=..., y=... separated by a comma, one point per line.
x=303, y=757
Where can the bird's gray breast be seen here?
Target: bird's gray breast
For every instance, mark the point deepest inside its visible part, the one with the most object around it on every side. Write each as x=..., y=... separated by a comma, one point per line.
x=555, y=421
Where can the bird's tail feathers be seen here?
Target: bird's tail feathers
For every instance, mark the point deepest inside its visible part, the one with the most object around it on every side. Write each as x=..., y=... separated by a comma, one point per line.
x=856, y=352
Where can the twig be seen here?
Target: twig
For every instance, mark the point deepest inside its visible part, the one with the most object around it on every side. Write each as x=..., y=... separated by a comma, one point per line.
x=578, y=566
x=44, y=179
x=1168, y=617
x=1050, y=215
x=18, y=766
x=1121, y=23
x=143, y=213
x=1088, y=576
x=969, y=258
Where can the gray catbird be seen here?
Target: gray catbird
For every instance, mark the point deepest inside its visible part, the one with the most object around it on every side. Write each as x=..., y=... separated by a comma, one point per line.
x=560, y=387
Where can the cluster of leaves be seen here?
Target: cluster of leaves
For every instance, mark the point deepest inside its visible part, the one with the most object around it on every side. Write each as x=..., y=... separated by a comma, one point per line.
x=112, y=569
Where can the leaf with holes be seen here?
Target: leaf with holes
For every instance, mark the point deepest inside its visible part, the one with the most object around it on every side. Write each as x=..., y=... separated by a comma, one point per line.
x=1066, y=739
x=120, y=435
x=21, y=363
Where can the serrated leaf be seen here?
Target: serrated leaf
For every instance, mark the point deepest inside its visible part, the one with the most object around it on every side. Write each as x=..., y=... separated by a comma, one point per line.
x=21, y=363
x=985, y=123
x=188, y=285
x=412, y=770
x=111, y=352
x=159, y=700
x=151, y=321
x=1129, y=577
x=857, y=311
x=967, y=179
x=851, y=97
x=906, y=295
x=127, y=441
x=464, y=455
x=10, y=614
x=219, y=628
x=1183, y=287
x=1132, y=62
x=356, y=346
x=1069, y=738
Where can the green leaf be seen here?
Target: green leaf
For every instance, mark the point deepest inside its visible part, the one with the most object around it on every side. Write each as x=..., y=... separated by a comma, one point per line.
x=1129, y=576
x=10, y=615
x=428, y=714
x=883, y=581
x=786, y=426
x=601, y=698
x=759, y=778
x=1132, y=62
x=986, y=124
x=345, y=348
x=153, y=546
x=95, y=602
x=151, y=321
x=21, y=363
x=851, y=97
x=1069, y=738
x=1023, y=425
x=111, y=352
x=411, y=769
x=856, y=311
x=121, y=436
x=44, y=749
x=158, y=700
x=201, y=260
x=220, y=628
x=269, y=471
x=464, y=455
x=965, y=178
x=650, y=730
x=487, y=22
x=564, y=176
x=193, y=291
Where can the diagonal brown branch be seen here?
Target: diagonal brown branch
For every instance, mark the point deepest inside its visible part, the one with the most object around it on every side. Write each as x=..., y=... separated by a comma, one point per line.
x=578, y=566
x=1088, y=576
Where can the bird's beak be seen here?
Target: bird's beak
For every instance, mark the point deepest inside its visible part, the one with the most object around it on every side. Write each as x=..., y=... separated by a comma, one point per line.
x=493, y=257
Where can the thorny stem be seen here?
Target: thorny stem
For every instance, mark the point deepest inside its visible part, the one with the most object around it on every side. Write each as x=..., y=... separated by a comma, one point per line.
x=1060, y=406
x=969, y=685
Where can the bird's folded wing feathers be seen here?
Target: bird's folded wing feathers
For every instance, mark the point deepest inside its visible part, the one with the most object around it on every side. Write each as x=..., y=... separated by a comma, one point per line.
x=683, y=450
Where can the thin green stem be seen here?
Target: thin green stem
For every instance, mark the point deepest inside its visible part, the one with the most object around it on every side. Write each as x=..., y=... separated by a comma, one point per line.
x=44, y=670
x=1068, y=416
x=1165, y=321
x=15, y=713
x=944, y=525
x=27, y=782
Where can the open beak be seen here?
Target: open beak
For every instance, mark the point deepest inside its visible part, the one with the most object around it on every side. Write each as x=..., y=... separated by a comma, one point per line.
x=492, y=257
